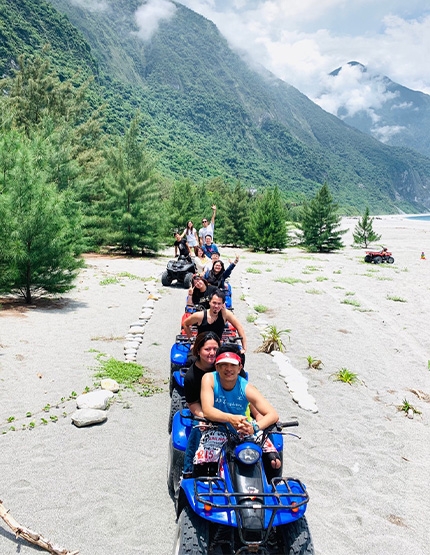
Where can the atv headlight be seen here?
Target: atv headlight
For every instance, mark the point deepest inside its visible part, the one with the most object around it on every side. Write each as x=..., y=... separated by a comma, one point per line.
x=248, y=453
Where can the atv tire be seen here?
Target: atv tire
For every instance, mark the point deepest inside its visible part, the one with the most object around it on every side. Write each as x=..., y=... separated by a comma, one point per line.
x=176, y=403
x=296, y=538
x=187, y=280
x=377, y=259
x=192, y=534
x=166, y=278
x=367, y=258
x=390, y=260
x=174, y=470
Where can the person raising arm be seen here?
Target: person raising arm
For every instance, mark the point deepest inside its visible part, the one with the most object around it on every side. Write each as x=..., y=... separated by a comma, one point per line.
x=214, y=319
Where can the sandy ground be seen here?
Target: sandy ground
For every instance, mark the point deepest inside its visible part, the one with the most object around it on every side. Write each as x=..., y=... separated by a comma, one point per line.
x=103, y=489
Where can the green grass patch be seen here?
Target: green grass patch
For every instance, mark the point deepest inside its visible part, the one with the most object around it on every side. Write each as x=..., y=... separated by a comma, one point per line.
x=321, y=278
x=251, y=318
x=260, y=308
x=128, y=374
x=290, y=280
x=351, y=302
x=337, y=271
x=314, y=291
x=253, y=271
x=396, y=299
x=109, y=280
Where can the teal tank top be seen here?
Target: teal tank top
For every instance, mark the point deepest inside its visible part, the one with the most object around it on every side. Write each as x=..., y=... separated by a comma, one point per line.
x=234, y=401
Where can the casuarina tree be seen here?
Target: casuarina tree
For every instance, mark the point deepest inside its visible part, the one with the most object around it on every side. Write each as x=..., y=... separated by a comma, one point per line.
x=363, y=232
x=319, y=222
x=267, y=226
x=38, y=240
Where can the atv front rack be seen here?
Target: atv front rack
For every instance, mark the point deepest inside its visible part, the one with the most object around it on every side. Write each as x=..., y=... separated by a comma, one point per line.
x=288, y=495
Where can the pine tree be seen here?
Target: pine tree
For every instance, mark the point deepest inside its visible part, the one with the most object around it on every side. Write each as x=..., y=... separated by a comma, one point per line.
x=319, y=220
x=38, y=251
x=267, y=226
x=363, y=232
x=236, y=214
x=133, y=198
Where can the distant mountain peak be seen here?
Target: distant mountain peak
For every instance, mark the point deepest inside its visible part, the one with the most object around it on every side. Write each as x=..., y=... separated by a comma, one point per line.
x=336, y=72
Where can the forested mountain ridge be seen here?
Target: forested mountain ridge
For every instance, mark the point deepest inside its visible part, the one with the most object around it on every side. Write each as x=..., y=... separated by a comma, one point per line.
x=207, y=114
x=398, y=116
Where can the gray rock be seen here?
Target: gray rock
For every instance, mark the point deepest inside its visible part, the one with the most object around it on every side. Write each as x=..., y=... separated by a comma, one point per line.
x=110, y=385
x=88, y=417
x=94, y=400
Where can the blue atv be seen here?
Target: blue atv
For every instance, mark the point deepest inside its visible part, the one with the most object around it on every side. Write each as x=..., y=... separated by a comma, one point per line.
x=234, y=508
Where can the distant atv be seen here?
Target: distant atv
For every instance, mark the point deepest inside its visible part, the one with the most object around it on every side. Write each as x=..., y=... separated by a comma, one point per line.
x=180, y=270
x=377, y=257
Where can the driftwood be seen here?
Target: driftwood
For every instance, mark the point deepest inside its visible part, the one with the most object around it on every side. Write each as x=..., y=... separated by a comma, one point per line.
x=30, y=536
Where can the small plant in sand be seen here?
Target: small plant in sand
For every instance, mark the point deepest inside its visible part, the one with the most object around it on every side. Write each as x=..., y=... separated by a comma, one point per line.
x=272, y=340
x=314, y=291
x=251, y=318
x=313, y=362
x=321, y=278
x=109, y=281
x=260, y=308
x=406, y=407
x=428, y=365
x=290, y=280
x=351, y=302
x=396, y=299
x=253, y=271
x=346, y=376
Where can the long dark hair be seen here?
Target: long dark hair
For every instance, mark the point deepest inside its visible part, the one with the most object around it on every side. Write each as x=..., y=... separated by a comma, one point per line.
x=203, y=338
x=188, y=228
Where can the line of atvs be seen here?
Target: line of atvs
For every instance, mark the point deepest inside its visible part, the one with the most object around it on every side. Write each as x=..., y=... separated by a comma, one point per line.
x=239, y=509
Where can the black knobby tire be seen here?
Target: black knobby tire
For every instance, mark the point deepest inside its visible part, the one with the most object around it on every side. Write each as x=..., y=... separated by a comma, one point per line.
x=187, y=280
x=192, y=534
x=166, y=278
x=368, y=258
x=177, y=402
x=175, y=465
x=296, y=538
x=377, y=259
x=390, y=260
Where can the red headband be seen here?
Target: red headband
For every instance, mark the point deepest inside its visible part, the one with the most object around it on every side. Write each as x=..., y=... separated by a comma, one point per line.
x=232, y=358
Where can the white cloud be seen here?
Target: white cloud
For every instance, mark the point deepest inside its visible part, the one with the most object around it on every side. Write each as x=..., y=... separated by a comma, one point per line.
x=92, y=5
x=386, y=132
x=301, y=41
x=149, y=15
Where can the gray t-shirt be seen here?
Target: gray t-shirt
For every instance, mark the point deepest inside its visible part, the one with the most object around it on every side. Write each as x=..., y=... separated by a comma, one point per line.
x=208, y=230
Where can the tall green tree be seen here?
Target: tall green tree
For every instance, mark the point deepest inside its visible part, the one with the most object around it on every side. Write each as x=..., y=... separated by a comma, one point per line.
x=133, y=199
x=363, y=233
x=267, y=228
x=38, y=241
x=319, y=223
x=236, y=214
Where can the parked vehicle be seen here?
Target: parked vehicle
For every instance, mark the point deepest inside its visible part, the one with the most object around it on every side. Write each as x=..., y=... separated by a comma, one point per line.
x=180, y=270
x=377, y=257
x=234, y=508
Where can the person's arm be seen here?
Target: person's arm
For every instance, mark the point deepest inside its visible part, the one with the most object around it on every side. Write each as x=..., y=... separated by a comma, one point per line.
x=209, y=411
x=196, y=409
x=188, y=248
x=195, y=318
x=268, y=413
x=230, y=317
x=176, y=250
x=228, y=271
x=213, y=215
x=184, y=233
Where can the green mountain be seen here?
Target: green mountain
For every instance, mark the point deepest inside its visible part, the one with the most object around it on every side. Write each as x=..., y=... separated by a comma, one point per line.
x=206, y=112
x=399, y=116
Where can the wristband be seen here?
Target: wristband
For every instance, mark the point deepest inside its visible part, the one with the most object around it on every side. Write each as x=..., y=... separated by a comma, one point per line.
x=256, y=427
